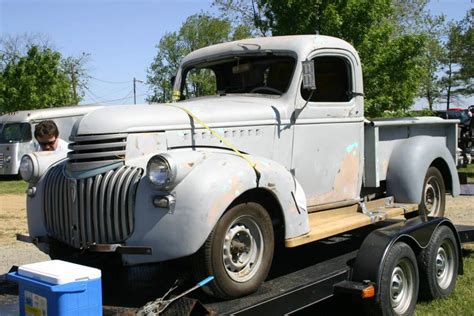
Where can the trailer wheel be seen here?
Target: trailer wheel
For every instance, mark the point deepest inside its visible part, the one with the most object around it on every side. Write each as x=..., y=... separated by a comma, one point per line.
x=398, y=283
x=238, y=252
x=433, y=198
x=438, y=264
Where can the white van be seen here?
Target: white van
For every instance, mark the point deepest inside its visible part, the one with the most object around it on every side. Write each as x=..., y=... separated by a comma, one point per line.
x=17, y=130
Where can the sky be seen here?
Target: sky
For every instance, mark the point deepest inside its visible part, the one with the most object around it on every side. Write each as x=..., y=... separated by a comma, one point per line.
x=121, y=35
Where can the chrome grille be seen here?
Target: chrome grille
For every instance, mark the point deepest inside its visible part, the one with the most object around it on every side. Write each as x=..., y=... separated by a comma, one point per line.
x=98, y=209
x=95, y=151
x=1, y=160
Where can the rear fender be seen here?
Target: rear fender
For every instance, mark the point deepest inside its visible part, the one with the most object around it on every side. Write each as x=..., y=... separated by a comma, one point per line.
x=409, y=163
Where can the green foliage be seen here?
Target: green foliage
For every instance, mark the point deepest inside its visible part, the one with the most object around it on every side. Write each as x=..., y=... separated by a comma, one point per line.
x=197, y=31
x=34, y=81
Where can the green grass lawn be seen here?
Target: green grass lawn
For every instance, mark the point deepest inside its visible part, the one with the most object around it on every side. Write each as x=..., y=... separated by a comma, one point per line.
x=12, y=186
x=461, y=302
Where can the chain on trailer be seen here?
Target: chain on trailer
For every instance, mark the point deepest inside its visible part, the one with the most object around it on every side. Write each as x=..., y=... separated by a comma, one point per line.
x=158, y=306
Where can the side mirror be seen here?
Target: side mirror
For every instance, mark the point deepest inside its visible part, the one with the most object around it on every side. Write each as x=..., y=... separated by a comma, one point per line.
x=309, y=77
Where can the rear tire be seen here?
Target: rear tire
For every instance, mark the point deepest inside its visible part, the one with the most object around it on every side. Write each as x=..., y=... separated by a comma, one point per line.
x=433, y=199
x=238, y=252
x=438, y=264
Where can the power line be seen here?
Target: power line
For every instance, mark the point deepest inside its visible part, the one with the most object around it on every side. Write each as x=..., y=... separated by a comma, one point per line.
x=112, y=82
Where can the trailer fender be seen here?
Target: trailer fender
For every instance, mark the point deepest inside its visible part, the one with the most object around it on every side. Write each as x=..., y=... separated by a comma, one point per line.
x=416, y=232
x=409, y=163
x=201, y=197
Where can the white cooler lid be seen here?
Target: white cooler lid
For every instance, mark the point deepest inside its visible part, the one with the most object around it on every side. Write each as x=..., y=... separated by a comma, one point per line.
x=58, y=272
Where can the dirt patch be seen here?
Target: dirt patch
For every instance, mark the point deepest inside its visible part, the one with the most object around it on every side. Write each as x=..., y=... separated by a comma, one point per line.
x=12, y=217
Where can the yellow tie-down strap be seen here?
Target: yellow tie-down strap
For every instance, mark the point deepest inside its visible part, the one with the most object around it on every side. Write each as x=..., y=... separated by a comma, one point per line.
x=222, y=139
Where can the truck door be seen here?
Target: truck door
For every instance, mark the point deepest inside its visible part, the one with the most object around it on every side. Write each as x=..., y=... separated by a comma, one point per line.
x=328, y=131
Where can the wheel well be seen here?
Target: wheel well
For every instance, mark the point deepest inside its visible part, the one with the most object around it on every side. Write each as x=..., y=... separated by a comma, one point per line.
x=442, y=166
x=271, y=204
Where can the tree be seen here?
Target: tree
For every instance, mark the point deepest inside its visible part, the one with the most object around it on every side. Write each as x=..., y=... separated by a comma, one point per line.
x=457, y=62
x=34, y=81
x=197, y=31
x=13, y=47
x=391, y=60
x=75, y=70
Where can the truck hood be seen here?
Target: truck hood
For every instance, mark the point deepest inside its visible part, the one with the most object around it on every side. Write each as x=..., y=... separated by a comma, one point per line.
x=214, y=111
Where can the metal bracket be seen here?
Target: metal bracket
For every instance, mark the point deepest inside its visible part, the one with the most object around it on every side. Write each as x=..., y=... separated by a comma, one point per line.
x=118, y=248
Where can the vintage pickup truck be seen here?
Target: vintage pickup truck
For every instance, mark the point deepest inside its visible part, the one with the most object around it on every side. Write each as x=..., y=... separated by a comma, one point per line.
x=277, y=152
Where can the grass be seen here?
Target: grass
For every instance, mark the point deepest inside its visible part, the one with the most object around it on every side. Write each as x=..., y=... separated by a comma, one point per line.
x=13, y=186
x=467, y=169
x=461, y=302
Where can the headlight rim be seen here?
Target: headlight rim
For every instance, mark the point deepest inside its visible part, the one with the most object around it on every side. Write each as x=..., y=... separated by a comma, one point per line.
x=171, y=166
x=34, y=168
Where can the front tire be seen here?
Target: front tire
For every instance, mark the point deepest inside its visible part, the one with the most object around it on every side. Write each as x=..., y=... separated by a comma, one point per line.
x=238, y=252
x=433, y=200
x=438, y=264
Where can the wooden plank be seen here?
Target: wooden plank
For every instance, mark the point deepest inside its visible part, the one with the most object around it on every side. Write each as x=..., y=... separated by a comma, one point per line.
x=333, y=222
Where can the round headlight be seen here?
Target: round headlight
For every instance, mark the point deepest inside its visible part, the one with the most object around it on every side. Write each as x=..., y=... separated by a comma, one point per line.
x=27, y=168
x=160, y=172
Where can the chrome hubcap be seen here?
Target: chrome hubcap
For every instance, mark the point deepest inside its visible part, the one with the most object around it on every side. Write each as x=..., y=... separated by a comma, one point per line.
x=432, y=196
x=444, y=265
x=242, y=249
x=401, y=286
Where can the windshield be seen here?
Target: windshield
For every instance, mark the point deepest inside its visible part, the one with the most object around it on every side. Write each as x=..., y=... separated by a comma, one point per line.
x=267, y=74
x=15, y=133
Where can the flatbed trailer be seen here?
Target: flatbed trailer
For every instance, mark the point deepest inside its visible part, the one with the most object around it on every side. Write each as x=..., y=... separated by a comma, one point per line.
x=332, y=275
x=300, y=282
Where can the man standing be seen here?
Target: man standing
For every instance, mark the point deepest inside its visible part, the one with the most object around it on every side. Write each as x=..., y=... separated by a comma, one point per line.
x=47, y=135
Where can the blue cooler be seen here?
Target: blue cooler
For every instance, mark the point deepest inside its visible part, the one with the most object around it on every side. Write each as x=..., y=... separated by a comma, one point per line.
x=58, y=288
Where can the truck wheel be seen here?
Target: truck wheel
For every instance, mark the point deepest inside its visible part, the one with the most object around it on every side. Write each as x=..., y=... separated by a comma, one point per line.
x=399, y=282
x=438, y=264
x=238, y=252
x=433, y=198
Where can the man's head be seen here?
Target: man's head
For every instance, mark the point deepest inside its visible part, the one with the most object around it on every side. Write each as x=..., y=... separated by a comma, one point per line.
x=46, y=133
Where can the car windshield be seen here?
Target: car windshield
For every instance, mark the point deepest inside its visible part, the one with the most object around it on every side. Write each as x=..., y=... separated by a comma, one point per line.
x=15, y=133
x=269, y=74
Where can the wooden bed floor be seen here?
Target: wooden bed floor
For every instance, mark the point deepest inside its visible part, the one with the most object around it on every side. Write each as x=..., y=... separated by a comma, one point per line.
x=328, y=223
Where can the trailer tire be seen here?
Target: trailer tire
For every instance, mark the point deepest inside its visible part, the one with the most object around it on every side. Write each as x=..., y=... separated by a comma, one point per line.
x=398, y=283
x=438, y=264
x=433, y=199
x=238, y=252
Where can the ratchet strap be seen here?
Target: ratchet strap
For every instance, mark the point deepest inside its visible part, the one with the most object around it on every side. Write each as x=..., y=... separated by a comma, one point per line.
x=222, y=139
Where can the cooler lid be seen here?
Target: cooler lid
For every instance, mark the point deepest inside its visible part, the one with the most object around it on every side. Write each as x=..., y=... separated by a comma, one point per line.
x=58, y=272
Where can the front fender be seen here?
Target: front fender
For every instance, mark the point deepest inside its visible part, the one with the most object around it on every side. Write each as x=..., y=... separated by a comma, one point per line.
x=409, y=163
x=201, y=199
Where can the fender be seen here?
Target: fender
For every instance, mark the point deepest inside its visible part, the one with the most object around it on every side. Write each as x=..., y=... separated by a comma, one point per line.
x=416, y=232
x=405, y=180
x=206, y=192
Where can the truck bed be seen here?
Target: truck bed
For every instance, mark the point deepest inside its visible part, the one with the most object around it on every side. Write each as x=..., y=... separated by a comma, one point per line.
x=328, y=223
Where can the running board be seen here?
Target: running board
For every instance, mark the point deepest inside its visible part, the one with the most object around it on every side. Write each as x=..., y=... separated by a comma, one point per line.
x=333, y=222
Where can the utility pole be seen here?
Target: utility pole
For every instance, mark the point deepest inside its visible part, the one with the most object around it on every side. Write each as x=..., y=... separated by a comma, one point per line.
x=135, y=89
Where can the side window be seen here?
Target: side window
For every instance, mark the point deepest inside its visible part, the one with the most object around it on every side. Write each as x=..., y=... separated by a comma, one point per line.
x=199, y=82
x=333, y=80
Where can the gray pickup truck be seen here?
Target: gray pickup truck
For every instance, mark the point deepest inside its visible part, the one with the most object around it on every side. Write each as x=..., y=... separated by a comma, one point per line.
x=277, y=152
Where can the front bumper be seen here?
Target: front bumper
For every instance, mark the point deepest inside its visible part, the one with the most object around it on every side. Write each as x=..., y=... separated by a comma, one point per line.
x=108, y=248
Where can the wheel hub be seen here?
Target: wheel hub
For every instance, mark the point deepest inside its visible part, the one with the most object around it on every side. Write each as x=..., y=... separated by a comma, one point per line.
x=242, y=249
x=445, y=264
x=432, y=198
x=401, y=287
